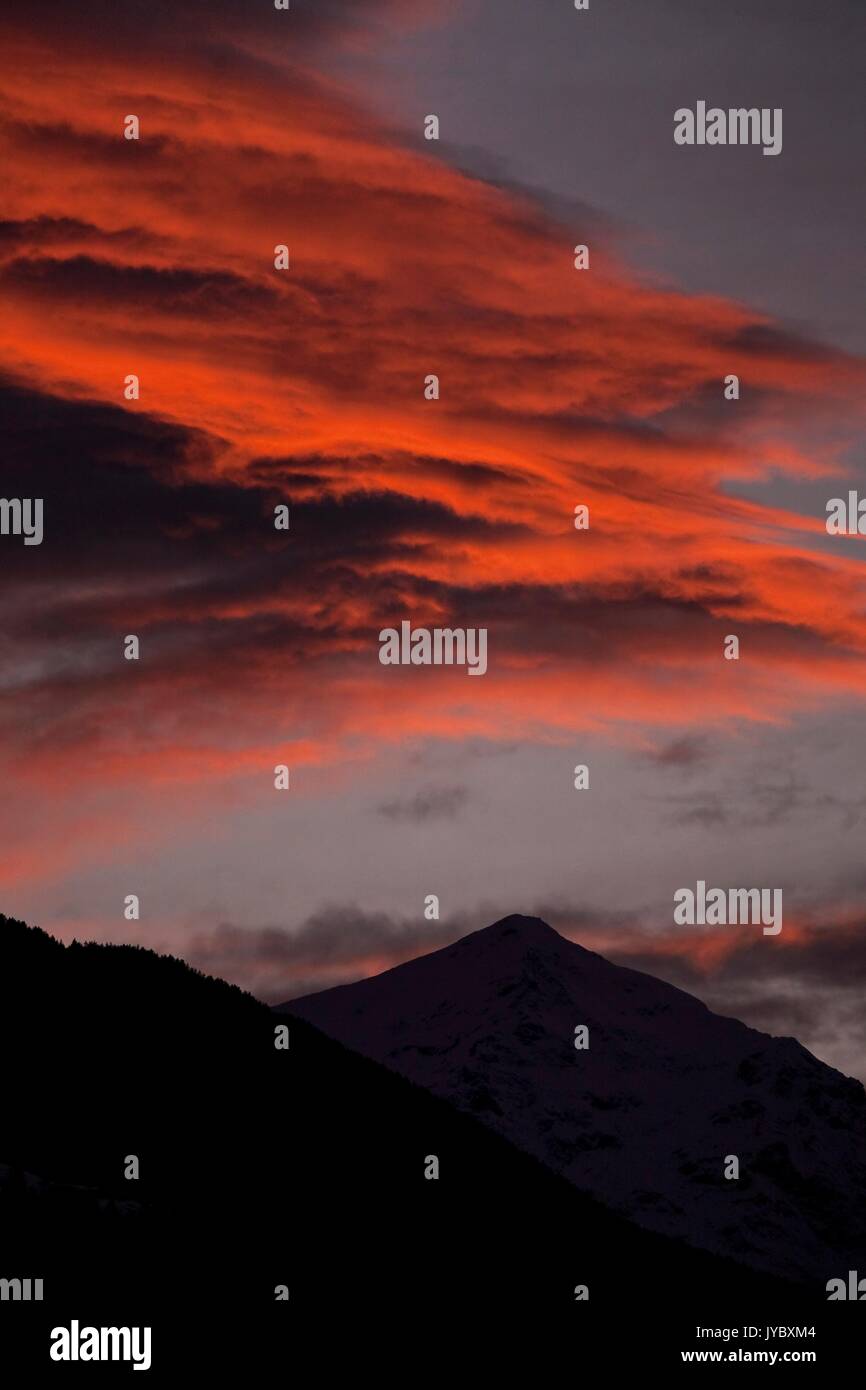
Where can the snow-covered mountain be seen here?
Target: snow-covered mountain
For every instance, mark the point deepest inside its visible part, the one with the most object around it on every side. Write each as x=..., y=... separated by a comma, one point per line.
x=644, y=1118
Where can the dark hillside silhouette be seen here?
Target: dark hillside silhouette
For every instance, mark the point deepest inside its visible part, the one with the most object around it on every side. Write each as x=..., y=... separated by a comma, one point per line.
x=303, y=1168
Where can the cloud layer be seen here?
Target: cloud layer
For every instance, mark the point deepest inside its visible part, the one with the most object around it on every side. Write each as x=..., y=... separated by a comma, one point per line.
x=306, y=386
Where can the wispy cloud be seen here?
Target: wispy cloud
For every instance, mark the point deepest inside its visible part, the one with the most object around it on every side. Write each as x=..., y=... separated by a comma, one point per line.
x=430, y=803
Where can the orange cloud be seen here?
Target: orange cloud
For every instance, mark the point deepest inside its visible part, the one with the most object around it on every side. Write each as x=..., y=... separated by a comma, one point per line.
x=155, y=257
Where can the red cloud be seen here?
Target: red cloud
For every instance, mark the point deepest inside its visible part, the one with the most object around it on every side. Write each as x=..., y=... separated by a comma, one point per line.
x=155, y=257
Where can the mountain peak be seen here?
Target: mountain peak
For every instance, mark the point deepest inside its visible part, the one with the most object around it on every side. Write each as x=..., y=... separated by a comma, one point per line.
x=519, y=926
x=518, y=946
x=643, y=1113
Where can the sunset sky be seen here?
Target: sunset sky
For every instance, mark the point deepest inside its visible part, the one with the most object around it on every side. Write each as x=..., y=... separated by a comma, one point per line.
x=558, y=387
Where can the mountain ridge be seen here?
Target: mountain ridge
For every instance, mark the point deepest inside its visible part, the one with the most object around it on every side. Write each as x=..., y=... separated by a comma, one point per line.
x=306, y=1167
x=646, y=1117
x=531, y=932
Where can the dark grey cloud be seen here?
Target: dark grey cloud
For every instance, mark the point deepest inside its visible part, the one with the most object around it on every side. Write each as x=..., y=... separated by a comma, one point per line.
x=429, y=803
x=198, y=23
x=825, y=955
x=704, y=810
x=686, y=752
x=810, y=988
x=307, y=471
x=125, y=499
x=767, y=794
x=65, y=232
x=332, y=946
x=206, y=295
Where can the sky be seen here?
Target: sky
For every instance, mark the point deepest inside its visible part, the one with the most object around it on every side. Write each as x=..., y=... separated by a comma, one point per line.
x=558, y=387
